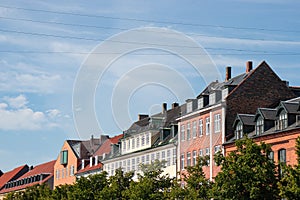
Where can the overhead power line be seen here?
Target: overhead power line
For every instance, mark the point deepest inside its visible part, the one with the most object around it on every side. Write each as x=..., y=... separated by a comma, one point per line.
x=147, y=20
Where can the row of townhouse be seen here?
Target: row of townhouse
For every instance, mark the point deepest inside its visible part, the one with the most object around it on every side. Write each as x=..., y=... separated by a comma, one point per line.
x=249, y=103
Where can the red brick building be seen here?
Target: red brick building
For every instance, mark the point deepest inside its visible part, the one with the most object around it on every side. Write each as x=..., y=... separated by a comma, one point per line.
x=279, y=127
x=206, y=121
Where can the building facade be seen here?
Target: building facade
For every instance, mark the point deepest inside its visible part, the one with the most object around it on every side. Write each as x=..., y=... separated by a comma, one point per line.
x=148, y=139
x=206, y=122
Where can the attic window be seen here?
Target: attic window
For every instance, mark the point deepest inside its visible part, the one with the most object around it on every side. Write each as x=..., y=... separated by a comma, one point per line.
x=282, y=121
x=239, y=130
x=189, y=107
x=64, y=157
x=259, y=126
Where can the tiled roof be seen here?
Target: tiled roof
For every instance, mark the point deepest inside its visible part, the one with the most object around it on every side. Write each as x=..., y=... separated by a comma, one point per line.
x=291, y=107
x=45, y=168
x=89, y=168
x=246, y=119
x=12, y=175
x=267, y=113
x=106, y=146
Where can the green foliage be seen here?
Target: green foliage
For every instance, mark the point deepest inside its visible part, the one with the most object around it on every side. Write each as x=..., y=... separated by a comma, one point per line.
x=196, y=185
x=117, y=185
x=289, y=185
x=246, y=174
x=152, y=184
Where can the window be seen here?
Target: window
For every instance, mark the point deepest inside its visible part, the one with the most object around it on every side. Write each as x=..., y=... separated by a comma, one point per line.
x=282, y=122
x=147, y=139
x=174, y=157
x=133, y=143
x=62, y=173
x=271, y=155
x=137, y=162
x=239, y=130
x=200, y=127
x=143, y=140
x=64, y=157
x=207, y=153
x=189, y=107
x=217, y=123
x=66, y=171
x=133, y=164
x=207, y=127
x=57, y=174
x=188, y=155
x=163, y=155
x=259, y=128
x=168, y=157
x=158, y=155
x=152, y=157
x=124, y=145
x=200, y=152
x=194, y=157
x=143, y=159
x=72, y=169
x=138, y=142
x=128, y=144
x=182, y=162
x=182, y=133
x=282, y=156
x=188, y=131
x=217, y=149
x=194, y=129
x=147, y=159
x=128, y=165
x=124, y=165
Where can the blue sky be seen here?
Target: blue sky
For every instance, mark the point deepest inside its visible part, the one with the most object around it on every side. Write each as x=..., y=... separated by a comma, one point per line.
x=44, y=45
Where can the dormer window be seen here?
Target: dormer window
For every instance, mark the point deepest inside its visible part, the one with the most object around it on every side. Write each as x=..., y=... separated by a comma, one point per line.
x=282, y=121
x=298, y=120
x=239, y=131
x=259, y=128
x=189, y=107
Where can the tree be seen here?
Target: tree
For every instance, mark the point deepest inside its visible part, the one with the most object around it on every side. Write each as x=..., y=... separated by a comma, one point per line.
x=289, y=184
x=151, y=184
x=117, y=186
x=197, y=186
x=89, y=188
x=247, y=173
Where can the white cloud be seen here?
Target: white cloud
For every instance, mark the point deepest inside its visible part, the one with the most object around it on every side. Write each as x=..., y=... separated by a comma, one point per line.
x=16, y=115
x=16, y=102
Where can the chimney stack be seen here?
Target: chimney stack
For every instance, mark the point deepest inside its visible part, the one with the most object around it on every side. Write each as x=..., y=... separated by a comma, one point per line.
x=174, y=105
x=248, y=66
x=228, y=73
x=142, y=116
x=164, y=107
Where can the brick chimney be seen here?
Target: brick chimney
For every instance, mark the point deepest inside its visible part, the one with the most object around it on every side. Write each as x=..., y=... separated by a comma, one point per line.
x=142, y=116
x=248, y=66
x=228, y=73
x=174, y=105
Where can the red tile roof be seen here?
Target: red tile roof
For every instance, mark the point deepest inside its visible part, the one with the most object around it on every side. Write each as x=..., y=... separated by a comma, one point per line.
x=45, y=168
x=11, y=175
x=92, y=168
x=105, y=147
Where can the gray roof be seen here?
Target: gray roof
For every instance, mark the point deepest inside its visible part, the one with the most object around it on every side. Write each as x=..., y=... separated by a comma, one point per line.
x=246, y=119
x=267, y=113
x=291, y=107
